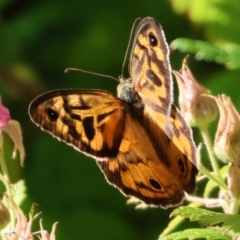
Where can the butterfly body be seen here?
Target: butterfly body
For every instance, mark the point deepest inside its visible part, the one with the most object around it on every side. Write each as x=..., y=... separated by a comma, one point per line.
x=139, y=140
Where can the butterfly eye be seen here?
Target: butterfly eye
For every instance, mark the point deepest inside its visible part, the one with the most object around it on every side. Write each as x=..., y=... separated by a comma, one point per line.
x=53, y=115
x=153, y=40
x=155, y=184
x=181, y=165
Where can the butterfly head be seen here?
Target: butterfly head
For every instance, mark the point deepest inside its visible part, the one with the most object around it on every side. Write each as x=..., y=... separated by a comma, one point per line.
x=126, y=92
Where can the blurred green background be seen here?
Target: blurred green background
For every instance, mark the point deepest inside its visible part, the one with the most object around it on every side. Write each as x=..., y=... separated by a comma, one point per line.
x=39, y=40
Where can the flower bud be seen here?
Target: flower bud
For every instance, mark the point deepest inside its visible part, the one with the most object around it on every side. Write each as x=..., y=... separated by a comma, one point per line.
x=227, y=138
x=196, y=109
x=13, y=129
x=4, y=115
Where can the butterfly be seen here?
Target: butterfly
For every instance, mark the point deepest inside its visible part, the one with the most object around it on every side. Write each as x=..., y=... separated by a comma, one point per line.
x=139, y=139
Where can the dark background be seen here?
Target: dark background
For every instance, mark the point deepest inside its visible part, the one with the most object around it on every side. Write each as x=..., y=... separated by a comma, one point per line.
x=38, y=41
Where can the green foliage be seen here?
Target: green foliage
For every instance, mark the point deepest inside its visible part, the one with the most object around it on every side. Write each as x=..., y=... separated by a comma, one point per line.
x=198, y=233
x=228, y=230
x=194, y=214
x=211, y=184
x=228, y=55
x=217, y=19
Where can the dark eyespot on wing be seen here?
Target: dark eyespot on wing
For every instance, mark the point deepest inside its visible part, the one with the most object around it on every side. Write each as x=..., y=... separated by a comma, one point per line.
x=181, y=165
x=155, y=184
x=152, y=39
x=52, y=114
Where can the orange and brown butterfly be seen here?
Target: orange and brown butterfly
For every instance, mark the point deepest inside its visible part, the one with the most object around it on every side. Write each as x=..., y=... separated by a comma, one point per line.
x=139, y=139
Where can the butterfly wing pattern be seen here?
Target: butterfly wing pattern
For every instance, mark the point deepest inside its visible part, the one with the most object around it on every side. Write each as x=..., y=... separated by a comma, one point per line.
x=140, y=140
x=168, y=134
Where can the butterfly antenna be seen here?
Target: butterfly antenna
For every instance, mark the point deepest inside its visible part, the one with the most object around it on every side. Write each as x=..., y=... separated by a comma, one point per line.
x=129, y=42
x=93, y=73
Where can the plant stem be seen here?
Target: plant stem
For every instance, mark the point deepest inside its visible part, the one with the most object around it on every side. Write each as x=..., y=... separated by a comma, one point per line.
x=5, y=180
x=4, y=168
x=233, y=208
x=209, y=146
x=203, y=170
x=176, y=221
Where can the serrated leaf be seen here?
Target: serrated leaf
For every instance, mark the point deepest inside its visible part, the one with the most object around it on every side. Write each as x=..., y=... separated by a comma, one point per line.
x=19, y=192
x=227, y=54
x=230, y=222
x=206, y=217
x=197, y=233
x=194, y=214
x=176, y=221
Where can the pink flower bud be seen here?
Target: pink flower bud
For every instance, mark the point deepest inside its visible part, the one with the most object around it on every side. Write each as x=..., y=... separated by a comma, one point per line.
x=196, y=109
x=227, y=136
x=4, y=115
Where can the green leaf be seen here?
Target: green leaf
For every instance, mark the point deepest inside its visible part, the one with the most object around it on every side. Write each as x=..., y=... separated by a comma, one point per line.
x=230, y=222
x=19, y=192
x=227, y=54
x=206, y=217
x=176, y=221
x=194, y=214
x=197, y=233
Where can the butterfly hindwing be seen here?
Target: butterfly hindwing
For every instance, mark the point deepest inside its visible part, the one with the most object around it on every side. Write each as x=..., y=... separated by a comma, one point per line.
x=137, y=171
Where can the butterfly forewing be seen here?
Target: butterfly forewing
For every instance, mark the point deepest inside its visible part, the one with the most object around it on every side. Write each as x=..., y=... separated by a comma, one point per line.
x=91, y=121
x=150, y=68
